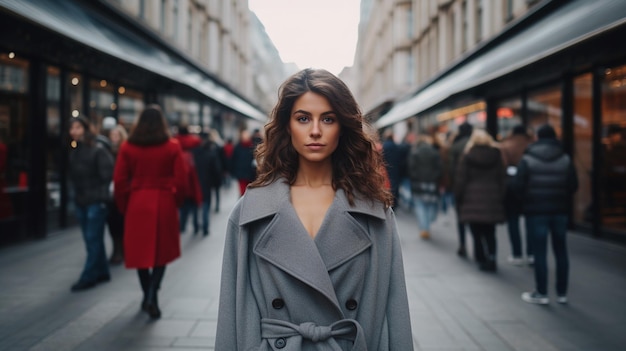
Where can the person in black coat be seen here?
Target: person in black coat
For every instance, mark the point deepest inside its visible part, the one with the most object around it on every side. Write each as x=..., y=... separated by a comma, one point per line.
x=210, y=163
x=546, y=181
x=479, y=191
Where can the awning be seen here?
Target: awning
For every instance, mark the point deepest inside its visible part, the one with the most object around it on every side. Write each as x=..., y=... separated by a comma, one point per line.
x=80, y=23
x=570, y=24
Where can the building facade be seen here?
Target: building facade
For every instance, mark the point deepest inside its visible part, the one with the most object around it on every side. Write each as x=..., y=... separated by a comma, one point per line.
x=500, y=63
x=63, y=59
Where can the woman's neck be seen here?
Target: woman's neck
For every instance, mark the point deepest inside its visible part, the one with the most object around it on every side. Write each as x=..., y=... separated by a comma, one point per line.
x=314, y=174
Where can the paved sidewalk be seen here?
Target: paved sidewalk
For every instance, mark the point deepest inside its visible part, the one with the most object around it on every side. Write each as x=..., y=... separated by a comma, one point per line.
x=453, y=305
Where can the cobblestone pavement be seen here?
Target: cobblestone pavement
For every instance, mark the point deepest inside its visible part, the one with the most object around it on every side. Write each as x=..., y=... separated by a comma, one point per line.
x=454, y=306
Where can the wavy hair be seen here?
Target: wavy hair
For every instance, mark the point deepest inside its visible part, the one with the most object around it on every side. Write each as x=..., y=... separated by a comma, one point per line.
x=357, y=166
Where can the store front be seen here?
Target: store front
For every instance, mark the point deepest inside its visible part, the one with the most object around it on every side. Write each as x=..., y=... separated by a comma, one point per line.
x=49, y=74
x=571, y=76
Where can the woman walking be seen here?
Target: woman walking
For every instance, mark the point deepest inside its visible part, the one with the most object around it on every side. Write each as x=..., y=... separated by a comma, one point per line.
x=479, y=192
x=149, y=182
x=312, y=259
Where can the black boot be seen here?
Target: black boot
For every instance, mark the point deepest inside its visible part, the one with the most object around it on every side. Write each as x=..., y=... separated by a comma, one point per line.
x=144, y=280
x=155, y=283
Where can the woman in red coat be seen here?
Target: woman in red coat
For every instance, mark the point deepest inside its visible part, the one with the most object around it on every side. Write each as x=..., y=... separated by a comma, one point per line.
x=149, y=178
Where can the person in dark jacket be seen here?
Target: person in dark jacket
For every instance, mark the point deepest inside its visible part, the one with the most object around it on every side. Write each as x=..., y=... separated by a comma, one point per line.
x=479, y=191
x=546, y=180
x=424, y=170
x=242, y=161
x=90, y=173
x=209, y=159
x=454, y=155
x=513, y=148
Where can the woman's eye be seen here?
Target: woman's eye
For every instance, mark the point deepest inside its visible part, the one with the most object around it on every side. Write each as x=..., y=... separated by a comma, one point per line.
x=328, y=120
x=302, y=119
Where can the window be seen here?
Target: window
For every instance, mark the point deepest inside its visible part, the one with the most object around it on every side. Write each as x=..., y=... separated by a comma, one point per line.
x=509, y=115
x=544, y=107
x=613, y=170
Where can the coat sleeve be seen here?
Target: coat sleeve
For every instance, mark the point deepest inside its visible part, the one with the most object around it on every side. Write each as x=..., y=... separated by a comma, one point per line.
x=104, y=165
x=460, y=181
x=121, y=179
x=397, y=314
x=238, y=318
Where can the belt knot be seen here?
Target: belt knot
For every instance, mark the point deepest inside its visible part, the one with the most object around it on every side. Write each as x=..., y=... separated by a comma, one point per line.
x=313, y=332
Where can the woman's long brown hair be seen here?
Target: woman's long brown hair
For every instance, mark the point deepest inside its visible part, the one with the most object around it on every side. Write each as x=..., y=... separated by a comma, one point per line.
x=357, y=166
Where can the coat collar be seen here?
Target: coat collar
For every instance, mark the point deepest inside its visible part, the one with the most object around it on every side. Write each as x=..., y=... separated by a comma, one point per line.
x=285, y=243
x=266, y=201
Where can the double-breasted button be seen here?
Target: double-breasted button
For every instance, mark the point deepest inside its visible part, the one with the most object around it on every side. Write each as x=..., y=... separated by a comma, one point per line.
x=351, y=304
x=280, y=343
x=278, y=303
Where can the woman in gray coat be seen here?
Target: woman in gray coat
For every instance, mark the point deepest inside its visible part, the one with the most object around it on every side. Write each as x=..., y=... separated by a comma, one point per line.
x=312, y=259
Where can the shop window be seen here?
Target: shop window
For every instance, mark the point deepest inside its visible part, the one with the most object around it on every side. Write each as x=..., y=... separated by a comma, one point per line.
x=14, y=148
x=131, y=105
x=583, y=148
x=613, y=170
x=544, y=107
x=509, y=115
x=101, y=101
x=13, y=73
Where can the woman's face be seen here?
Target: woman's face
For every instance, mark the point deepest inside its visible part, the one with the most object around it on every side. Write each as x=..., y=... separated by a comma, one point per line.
x=115, y=137
x=314, y=128
x=77, y=131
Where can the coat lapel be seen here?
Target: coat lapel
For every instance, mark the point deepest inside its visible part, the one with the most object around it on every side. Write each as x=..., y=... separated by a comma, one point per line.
x=286, y=244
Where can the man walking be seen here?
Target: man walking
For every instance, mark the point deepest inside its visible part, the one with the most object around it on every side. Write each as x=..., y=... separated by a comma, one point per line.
x=546, y=180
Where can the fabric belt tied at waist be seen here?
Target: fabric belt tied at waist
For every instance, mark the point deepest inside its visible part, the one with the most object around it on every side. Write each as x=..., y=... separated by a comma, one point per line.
x=344, y=329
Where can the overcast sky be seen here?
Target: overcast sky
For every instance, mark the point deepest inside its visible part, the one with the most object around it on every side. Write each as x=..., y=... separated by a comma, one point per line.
x=311, y=33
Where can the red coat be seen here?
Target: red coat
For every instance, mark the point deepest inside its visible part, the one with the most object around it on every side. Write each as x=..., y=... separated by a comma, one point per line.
x=193, y=191
x=147, y=182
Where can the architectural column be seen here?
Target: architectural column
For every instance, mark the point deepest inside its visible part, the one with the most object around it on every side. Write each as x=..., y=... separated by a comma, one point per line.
x=470, y=13
x=458, y=29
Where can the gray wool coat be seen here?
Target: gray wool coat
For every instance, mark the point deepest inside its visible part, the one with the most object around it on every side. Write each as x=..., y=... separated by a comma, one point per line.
x=283, y=290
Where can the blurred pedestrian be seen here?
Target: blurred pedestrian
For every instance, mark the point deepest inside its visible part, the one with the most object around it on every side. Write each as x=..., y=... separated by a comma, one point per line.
x=243, y=163
x=479, y=190
x=193, y=191
x=312, y=259
x=513, y=148
x=424, y=169
x=395, y=160
x=90, y=172
x=546, y=181
x=149, y=174
x=115, y=220
x=209, y=159
x=228, y=149
x=455, y=152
